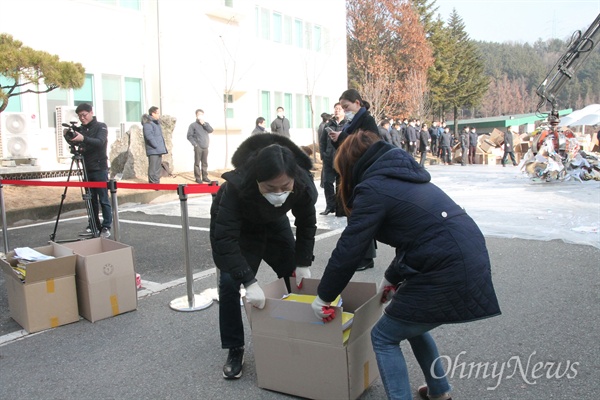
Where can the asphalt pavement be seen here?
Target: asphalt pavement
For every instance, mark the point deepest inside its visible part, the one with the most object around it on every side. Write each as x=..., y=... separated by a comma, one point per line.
x=544, y=345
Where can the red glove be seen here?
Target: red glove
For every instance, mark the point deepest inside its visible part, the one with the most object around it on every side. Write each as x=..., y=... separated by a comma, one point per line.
x=387, y=290
x=322, y=310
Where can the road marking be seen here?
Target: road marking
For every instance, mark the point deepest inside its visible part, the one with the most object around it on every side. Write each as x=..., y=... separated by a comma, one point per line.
x=149, y=287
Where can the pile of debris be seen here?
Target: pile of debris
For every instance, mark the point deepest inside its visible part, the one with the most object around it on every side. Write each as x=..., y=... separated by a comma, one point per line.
x=561, y=156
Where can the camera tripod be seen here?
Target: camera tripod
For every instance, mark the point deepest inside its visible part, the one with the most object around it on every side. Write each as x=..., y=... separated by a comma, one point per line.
x=77, y=162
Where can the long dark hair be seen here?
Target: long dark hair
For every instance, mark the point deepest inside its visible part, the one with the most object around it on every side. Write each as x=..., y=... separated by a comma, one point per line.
x=346, y=157
x=352, y=95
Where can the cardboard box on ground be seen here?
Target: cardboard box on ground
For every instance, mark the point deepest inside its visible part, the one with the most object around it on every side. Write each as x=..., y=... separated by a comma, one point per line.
x=295, y=353
x=47, y=298
x=105, y=278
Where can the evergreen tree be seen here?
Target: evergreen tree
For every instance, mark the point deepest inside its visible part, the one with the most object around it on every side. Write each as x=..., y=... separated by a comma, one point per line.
x=468, y=82
x=26, y=69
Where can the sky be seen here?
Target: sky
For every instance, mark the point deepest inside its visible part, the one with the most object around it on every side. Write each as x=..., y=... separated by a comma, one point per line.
x=521, y=21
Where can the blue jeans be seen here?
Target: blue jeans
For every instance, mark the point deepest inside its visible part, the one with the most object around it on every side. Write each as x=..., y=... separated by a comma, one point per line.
x=386, y=337
x=100, y=199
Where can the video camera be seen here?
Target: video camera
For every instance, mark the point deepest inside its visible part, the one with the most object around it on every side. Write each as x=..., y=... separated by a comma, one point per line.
x=69, y=133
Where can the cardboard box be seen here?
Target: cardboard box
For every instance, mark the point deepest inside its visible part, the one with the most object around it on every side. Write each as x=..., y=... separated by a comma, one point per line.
x=47, y=298
x=497, y=137
x=295, y=353
x=105, y=278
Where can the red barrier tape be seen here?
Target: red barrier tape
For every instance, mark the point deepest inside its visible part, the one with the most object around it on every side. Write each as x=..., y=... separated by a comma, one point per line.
x=193, y=188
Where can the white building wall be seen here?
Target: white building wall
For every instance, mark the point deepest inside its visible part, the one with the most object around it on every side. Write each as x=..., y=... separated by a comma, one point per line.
x=188, y=53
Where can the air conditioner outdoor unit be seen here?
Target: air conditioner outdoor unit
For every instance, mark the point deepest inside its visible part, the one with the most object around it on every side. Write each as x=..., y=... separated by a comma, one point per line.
x=64, y=115
x=15, y=128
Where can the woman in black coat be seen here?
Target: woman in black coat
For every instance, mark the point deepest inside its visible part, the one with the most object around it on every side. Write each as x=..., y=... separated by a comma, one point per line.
x=441, y=273
x=249, y=224
x=357, y=116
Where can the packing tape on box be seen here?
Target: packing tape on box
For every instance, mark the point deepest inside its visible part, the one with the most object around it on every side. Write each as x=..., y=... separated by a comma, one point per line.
x=114, y=304
x=366, y=380
x=54, y=322
x=114, y=297
x=49, y=285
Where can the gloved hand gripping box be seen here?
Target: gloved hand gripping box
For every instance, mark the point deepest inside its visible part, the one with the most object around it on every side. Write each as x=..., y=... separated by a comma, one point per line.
x=298, y=354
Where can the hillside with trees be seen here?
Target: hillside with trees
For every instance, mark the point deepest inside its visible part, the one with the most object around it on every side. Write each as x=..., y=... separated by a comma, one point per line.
x=432, y=69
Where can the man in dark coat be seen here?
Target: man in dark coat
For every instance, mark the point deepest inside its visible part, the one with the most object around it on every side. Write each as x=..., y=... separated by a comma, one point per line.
x=155, y=143
x=249, y=224
x=508, y=146
x=464, y=146
x=281, y=125
x=198, y=136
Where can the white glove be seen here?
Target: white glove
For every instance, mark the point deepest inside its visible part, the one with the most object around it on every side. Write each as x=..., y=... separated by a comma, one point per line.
x=300, y=273
x=322, y=310
x=387, y=290
x=255, y=295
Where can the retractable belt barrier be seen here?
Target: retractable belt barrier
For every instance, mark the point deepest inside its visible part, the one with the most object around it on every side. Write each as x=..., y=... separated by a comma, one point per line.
x=191, y=302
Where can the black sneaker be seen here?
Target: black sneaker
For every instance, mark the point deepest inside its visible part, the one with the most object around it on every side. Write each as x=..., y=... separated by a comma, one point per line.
x=233, y=366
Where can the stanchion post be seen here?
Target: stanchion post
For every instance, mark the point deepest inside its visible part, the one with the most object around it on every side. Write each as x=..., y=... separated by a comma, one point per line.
x=4, y=228
x=112, y=186
x=191, y=302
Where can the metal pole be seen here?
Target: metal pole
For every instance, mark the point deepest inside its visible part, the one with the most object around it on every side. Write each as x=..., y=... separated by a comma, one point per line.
x=191, y=302
x=112, y=186
x=4, y=229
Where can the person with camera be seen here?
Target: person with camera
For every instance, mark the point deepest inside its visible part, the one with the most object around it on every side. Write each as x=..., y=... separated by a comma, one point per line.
x=92, y=140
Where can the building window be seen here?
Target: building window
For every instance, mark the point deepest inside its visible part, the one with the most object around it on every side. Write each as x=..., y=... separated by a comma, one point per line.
x=277, y=28
x=56, y=98
x=257, y=21
x=265, y=23
x=228, y=98
x=317, y=38
x=299, y=111
x=228, y=3
x=133, y=99
x=287, y=30
x=265, y=105
x=278, y=99
x=298, y=33
x=111, y=99
x=14, y=104
x=308, y=112
x=86, y=93
x=308, y=35
x=287, y=104
x=130, y=4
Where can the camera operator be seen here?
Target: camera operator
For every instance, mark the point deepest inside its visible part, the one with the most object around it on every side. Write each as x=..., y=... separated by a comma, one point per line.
x=92, y=140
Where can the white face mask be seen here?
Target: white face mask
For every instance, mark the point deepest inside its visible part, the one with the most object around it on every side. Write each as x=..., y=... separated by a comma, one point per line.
x=277, y=199
x=280, y=114
x=349, y=115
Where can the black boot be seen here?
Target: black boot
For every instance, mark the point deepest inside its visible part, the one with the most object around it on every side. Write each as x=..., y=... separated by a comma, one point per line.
x=233, y=366
x=366, y=264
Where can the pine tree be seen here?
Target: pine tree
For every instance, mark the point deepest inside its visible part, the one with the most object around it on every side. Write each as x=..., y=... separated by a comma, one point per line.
x=26, y=69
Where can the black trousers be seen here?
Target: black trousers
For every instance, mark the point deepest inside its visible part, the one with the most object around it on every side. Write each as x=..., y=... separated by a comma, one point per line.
x=273, y=243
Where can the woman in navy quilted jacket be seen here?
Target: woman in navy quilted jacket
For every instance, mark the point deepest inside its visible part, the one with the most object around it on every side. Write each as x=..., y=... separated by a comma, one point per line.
x=441, y=273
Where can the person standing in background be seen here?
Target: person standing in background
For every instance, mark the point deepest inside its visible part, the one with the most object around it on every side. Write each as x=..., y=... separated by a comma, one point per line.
x=260, y=127
x=330, y=178
x=424, y=144
x=281, y=125
x=198, y=136
x=508, y=146
x=472, y=145
x=464, y=146
x=155, y=143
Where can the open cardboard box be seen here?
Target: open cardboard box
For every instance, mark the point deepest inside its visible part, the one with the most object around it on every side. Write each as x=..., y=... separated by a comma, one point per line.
x=47, y=298
x=297, y=354
x=105, y=278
